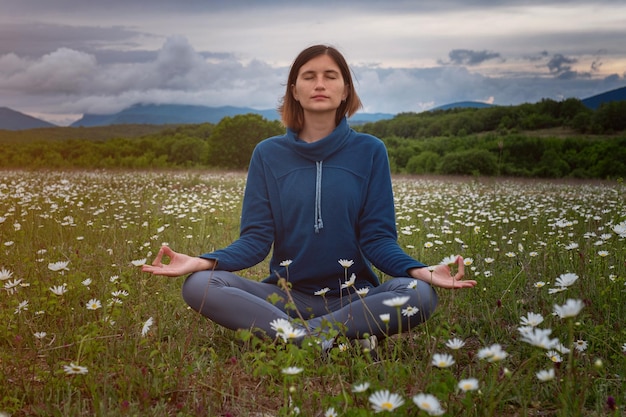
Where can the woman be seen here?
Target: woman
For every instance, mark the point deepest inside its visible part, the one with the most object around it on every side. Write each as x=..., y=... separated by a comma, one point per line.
x=320, y=195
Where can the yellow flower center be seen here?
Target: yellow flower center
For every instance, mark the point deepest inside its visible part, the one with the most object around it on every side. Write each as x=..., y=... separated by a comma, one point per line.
x=386, y=406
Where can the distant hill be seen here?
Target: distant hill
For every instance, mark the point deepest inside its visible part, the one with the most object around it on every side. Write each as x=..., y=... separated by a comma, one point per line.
x=463, y=105
x=160, y=114
x=190, y=114
x=594, y=102
x=14, y=120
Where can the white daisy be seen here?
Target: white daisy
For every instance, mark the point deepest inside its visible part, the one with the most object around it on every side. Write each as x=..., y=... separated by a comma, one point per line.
x=545, y=375
x=428, y=403
x=396, y=301
x=571, y=308
x=384, y=400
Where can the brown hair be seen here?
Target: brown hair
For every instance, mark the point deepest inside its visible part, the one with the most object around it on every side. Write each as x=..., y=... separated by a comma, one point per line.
x=290, y=109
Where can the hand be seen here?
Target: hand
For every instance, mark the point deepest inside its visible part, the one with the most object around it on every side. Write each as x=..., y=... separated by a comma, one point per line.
x=180, y=264
x=441, y=275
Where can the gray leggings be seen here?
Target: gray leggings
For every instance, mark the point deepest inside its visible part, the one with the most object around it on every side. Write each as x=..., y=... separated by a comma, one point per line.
x=240, y=303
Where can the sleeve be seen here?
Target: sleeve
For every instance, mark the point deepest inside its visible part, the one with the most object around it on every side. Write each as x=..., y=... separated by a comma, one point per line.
x=257, y=224
x=377, y=223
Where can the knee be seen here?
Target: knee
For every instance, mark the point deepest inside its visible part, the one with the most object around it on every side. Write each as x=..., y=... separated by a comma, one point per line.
x=428, y=300
x=194, y=289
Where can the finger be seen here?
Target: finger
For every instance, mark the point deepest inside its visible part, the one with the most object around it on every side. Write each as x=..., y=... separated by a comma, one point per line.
x=157, y=259
x=461, y=267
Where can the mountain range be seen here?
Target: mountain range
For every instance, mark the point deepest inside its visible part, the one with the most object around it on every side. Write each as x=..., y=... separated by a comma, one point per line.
x=158, y=114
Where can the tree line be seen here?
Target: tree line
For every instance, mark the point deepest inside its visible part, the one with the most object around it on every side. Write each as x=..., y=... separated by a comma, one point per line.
x=548, y=139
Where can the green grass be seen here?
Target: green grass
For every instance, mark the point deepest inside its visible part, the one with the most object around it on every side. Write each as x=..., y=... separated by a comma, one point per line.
x=516, y=233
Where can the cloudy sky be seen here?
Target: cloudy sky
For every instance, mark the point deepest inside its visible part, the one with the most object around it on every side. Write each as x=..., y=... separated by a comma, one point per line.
x=60, y=59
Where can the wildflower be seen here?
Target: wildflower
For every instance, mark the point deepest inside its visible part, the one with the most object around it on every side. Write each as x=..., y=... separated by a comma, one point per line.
x=385, y=401
x=40, y=335
x=280, y=325
x=559, y=347
x=94, y=304
x=114, y=278
x=442, y=360
x=455, y=343
x=448, y=260
x=610, y=403
x=349, y=282
x=346, y=263
x=539, y=284
x=138, y=262
x=385, y=317
x=291, y=370
x=114, y=301
x=87, y=282
x=412, y=285
x=489, y=260
x=429, y=244
x=554, y=356
x=571, y=308
x=363, y=291
x=286, y=263
x=531, y=319
x=58, y=266
x=11, y=286
x=58, y=289
x=117, y=293
x=545, y=375
x=21, y=307
x=428, y=403
x=410, y=311
x=571, y=246
x=538, y=337
x=73, y=369
x=624, y=348
x=533, y=254
x=396, y=301
x=565, y=280
x=603, y=253
x=620, y=229
x=362, y=387
x=146, y=326
x=331, y=412
x=556, y=290
x=343, y=347
x=493, y=353
x=470, y=384
x=5, y=274
x=580, y=345
x=322, y=292
x=510, y=254
x=285, y=330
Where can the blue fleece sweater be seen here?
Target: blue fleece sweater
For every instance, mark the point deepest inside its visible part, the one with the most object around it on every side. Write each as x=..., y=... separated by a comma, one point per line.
x=317, y=203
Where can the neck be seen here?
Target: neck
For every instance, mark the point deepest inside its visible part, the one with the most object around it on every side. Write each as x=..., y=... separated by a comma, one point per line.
x=317, y=126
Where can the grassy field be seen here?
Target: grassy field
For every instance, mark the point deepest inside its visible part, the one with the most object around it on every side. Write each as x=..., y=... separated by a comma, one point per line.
x=87, y=333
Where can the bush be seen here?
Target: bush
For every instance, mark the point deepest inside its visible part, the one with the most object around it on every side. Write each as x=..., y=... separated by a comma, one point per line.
x=470, y=162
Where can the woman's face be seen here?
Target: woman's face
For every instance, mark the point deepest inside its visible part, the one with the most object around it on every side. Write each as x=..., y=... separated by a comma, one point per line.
x=319, y=86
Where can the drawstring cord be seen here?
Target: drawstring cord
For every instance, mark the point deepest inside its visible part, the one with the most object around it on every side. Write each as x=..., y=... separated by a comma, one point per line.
x=319, y=224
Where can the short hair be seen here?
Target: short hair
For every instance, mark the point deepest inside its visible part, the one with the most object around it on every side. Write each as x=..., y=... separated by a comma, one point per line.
x=290, y=109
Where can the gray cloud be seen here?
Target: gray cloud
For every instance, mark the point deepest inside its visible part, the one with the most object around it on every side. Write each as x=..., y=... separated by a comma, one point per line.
x=62, y=57
x=469, y=57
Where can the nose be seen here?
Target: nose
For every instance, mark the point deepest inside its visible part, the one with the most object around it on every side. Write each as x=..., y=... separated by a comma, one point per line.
x=319, y=83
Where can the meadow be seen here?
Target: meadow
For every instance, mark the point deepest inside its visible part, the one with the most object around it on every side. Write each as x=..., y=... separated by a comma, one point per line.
x=87, y=333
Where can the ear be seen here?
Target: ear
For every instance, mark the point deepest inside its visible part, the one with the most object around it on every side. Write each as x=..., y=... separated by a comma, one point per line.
x=293, y=92
x=346, y=90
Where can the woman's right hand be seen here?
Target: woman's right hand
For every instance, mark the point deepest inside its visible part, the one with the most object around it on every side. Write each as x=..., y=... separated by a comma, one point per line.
x=179, y=264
